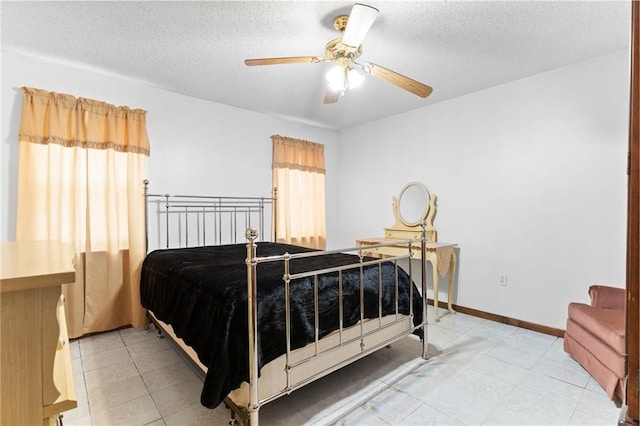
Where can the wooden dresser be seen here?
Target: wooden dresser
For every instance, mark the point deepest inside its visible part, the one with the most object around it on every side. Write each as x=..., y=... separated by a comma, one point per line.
x=36, y=377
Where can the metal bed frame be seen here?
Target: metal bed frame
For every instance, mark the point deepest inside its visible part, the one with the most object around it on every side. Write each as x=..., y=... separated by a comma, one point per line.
x=208, y=220
x=225, y=214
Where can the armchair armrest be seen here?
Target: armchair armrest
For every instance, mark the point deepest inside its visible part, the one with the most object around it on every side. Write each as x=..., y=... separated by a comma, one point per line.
x=607, y=297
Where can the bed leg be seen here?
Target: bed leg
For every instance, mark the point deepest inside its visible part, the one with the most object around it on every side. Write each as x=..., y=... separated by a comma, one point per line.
x=253, y=415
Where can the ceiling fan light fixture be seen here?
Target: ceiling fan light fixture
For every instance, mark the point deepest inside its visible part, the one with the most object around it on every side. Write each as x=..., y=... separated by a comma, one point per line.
x=343, y=52
x=337, y=78
x=355, y=78
x=341, y=78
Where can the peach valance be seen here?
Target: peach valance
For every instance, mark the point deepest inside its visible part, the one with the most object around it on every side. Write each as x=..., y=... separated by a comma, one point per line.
x=50, y=117
x=290, y=153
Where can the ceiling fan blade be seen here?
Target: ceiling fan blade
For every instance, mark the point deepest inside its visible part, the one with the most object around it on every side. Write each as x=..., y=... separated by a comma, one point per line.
x=331, y=96
x=399, y=80
x=284, y=60
x=359, y=23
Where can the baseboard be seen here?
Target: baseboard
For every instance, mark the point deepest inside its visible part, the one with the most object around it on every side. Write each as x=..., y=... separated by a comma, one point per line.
x=505, y=320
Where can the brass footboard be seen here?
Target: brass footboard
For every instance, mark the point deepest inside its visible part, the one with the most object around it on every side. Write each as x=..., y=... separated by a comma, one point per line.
x=250, y=414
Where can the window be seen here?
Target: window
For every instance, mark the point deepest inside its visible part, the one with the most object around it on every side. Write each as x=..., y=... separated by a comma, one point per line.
x=298, y=176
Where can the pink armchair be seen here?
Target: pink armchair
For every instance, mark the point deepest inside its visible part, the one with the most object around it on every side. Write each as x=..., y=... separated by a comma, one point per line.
x=595, y=337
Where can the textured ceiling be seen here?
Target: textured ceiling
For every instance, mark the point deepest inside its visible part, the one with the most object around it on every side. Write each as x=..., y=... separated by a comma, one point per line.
x=198, y=48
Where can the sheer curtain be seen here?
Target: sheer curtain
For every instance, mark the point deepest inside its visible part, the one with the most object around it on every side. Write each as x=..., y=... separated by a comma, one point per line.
x=298, y=175
x=80, y=181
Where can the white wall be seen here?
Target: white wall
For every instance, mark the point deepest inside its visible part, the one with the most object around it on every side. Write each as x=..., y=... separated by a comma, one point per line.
x=197, y=147
x=531, y=181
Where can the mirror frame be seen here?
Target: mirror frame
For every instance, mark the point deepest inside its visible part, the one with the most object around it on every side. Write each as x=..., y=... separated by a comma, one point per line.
x=426, y=207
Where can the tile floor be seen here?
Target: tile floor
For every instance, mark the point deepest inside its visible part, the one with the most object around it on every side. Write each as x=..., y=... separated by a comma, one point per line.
x=479, y=373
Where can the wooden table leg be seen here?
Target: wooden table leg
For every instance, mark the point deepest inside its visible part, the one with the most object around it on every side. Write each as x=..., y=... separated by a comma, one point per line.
x=452, y=270
x=431, y=257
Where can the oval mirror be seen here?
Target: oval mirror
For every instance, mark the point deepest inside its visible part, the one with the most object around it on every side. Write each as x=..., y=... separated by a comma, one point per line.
x=413, y=204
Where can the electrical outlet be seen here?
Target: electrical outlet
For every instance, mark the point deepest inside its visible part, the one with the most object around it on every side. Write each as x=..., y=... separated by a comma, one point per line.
x=502, y=280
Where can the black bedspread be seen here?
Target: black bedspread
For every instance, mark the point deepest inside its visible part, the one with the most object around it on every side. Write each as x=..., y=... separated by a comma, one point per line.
x=202, y=293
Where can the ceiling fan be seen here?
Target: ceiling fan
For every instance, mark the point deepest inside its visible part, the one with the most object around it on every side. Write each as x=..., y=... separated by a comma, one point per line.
x=347, y=73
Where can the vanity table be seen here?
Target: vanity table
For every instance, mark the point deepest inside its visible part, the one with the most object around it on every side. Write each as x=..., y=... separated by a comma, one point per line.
x=413, y=207
x=36, y=376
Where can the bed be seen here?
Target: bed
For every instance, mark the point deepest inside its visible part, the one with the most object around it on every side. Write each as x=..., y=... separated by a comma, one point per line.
x=259, y=318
